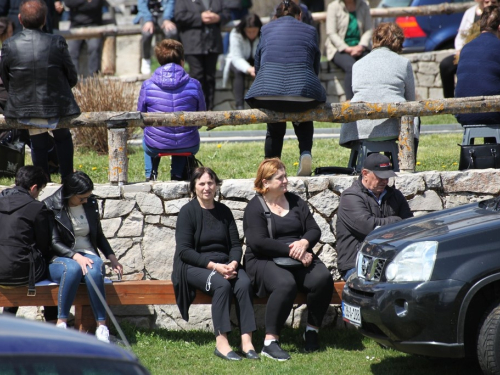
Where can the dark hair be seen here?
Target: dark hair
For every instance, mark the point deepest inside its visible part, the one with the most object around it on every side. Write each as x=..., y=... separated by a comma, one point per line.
x=33, y=13
x=75, y=184
x=30, y=175
x=490, y=19
x=390, y=35
x=169, y=51
x=198, y=172
x=287, y=8
x=4, y=27
x=250, y=20
x=266, y=171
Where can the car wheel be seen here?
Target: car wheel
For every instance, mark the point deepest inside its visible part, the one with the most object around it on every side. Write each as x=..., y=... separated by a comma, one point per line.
x=488, y=343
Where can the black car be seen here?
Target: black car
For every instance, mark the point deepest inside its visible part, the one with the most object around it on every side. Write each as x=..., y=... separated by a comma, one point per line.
x=431, y=285
x=36, y=348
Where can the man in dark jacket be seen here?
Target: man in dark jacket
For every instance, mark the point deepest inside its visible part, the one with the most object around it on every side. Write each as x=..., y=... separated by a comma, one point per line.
x=38, y=74
x=366, y=205
x=86, y=13
x=25, y=230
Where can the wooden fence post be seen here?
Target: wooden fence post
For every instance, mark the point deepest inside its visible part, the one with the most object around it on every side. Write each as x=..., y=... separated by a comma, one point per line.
x=108, y=60
x=117, y=153
x=406, y=144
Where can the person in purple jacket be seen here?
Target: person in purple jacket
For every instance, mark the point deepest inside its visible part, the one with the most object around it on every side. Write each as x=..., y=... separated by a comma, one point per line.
x=170, y=89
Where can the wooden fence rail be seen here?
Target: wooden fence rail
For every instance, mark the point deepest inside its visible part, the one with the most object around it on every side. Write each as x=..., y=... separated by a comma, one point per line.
x=124, y=30
x=118, y=122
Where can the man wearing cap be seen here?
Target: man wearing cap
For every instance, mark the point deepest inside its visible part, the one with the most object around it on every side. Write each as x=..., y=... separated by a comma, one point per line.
x=367, y=204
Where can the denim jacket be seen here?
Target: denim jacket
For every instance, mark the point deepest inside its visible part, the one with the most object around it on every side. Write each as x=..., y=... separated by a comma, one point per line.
x=145, y=13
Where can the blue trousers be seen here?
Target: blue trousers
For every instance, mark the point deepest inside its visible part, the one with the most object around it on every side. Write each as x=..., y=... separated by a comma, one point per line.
x=68, y=274
x=152, y=161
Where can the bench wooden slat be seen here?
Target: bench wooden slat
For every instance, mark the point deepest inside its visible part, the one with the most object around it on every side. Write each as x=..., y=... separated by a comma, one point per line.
x=142, y=292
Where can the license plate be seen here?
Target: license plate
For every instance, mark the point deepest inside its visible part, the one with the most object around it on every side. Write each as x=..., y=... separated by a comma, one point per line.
x=351, y=314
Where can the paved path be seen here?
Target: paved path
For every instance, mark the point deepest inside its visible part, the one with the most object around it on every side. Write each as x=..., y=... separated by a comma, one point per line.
x=319, y=133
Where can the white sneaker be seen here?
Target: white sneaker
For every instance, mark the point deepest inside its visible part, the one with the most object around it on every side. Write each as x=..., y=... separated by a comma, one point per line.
x=305, y=165
x=146, y=66
x=62, y=325
x=102, y=334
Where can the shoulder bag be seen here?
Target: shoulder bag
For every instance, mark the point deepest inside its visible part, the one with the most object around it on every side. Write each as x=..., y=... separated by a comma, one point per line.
x=479, y=156
x=285, y=262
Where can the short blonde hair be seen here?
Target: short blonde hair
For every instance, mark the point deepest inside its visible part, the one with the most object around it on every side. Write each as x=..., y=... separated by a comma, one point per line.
x=266, y=171
x=390, y=35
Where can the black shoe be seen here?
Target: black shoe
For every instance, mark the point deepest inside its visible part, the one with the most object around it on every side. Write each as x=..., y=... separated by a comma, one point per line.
x=251, y=354
x=274, y=351
x=312, y=341
x=231, y=356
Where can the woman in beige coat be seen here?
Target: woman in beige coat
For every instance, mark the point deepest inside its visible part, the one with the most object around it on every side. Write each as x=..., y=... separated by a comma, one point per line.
x=349, y=31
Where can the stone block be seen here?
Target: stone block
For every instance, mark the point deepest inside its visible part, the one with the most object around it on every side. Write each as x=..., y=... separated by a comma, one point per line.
x=132, y=225
x=410, y=184
x=326, y=202
x=430, y=68
x=421, y=93
x=141, y=187
x=174, y=206
x=171, y=190
x=432, y=180
x=436, y=93
x=111, y=226
x=474, y=181
x=149, y=204
x=128, y=55
x=315, y=184
x=158, y=246
x=237, y=189
x=339, y=183
x=107, y=191
x=116, y=208
x=152, y=219
x=427, y=201
x=328, y=255
x=169, y=221
x=326, y=233
x=425, y=80
x=235, y=205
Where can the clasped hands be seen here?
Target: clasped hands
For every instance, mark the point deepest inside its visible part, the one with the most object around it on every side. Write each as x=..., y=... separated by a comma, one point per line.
x=298, y=250
x=208, y=17
x=228, y=271
x=355, y=51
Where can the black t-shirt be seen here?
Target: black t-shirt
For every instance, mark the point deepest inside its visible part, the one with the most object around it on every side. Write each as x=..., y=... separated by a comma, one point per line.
x=288, y=227
x=213, y=241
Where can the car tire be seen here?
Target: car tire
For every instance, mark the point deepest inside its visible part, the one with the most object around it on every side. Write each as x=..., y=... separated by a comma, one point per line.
x=488, y=343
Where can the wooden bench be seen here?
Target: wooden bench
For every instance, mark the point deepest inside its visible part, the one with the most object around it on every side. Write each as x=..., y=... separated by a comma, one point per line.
x=143, y=292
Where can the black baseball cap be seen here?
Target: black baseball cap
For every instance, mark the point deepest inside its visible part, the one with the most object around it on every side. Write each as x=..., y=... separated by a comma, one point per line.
x=380, y=165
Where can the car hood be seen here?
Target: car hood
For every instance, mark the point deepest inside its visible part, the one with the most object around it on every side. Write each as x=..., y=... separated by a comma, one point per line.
x=434, y=226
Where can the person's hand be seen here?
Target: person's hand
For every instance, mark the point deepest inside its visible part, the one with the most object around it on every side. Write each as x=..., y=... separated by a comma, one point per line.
x=115, y=265
x=306, y=259
x=148, y=27
x=357, y=51
x=83, y=262
x=226, y=270
x=168, y=25
x=59, y=6
x=298, y=248
x=251, y=71
x=208, y=17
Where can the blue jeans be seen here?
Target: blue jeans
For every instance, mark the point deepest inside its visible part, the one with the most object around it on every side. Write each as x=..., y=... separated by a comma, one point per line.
x=68, y=274
x=152, y=161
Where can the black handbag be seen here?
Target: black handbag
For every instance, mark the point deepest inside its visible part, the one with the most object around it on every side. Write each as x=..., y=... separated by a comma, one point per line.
x=11, y=152
x=479, y=156
x=335, y=170
x=285, y=262
x=191, y=164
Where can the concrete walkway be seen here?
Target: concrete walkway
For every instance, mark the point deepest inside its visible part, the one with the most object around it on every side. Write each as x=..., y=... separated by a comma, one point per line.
x=319, y=133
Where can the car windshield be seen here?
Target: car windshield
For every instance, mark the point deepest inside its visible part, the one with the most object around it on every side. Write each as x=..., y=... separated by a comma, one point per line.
x=50, y=365
x=395, y=3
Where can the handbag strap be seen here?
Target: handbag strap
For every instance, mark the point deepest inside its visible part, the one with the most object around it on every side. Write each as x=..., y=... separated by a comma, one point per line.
x=267, y=214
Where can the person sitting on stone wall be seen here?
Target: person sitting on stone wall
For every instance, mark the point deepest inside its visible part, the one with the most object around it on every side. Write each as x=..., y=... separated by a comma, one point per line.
x=170, y=89
x=478, y=72
x=366, y=205
x=154, y=14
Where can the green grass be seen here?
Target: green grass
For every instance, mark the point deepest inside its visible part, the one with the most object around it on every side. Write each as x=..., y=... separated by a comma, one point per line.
x=343, y=352
x=240, y=160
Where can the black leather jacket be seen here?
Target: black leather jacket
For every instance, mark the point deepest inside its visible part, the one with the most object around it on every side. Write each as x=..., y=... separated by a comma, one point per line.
x=38, y=74
x=63, y=237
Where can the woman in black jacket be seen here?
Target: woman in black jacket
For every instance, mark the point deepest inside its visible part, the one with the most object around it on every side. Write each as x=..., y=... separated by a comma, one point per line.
x=199, y=24
x=287, y=63
x=76, y=237
x=207, y=257
x=294, y=234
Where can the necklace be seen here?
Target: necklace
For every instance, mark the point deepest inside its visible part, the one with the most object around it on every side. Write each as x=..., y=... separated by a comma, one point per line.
x=274, y=207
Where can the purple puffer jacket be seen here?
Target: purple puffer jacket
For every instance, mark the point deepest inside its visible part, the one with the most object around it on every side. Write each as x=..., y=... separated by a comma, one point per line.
x=170, y=89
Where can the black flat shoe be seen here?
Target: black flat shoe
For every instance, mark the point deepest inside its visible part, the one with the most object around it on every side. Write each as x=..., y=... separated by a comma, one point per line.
x=251, y=354
x=231, y=356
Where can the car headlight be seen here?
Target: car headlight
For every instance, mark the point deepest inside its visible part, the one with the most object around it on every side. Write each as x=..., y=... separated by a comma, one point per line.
x=414, y=263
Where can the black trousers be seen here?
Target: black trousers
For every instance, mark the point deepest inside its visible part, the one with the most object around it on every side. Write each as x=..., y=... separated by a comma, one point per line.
x=345, y=62
x=238, y=87
x=222, y=292
x=282, y=285
x=203, y=68
x=448, y=70
x=276, y=130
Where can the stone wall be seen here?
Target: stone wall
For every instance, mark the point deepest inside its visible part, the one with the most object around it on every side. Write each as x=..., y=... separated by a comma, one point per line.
x=139, y=220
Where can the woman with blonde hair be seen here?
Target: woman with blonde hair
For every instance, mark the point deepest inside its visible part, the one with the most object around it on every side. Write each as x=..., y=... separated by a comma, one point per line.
x=281, y=233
